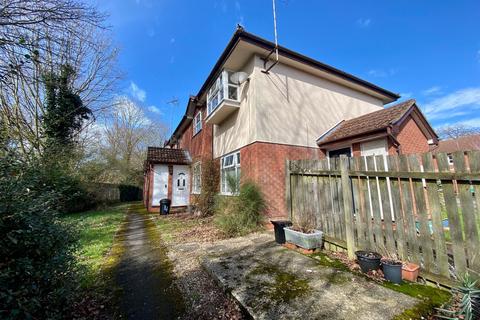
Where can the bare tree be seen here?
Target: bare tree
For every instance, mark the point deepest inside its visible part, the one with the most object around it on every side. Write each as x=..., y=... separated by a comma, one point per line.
x=123, y=142
x=457, y=131
x=27, y=27
x=38, y=37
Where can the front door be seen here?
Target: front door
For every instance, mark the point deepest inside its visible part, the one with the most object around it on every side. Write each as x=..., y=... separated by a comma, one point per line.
x=160, y=183
x=181, y=186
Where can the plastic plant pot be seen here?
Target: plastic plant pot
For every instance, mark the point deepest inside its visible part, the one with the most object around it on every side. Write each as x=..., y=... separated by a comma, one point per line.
x=307, y=241
x=368, y=260
x=410, y=272
x=392, y=271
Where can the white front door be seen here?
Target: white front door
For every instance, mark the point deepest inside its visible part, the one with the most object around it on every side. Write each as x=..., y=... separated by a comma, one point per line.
x=160, y=183
x=181, y=186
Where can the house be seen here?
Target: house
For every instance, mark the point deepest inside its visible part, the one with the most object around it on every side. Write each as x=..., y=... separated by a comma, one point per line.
x=254, y=111
x=464, y=143
x=400, y=129
x=167, y=175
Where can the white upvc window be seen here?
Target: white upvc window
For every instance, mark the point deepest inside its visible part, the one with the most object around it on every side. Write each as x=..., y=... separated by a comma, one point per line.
x=197, y=123
x=197, y=178
x=223, y=88
x=230, y=174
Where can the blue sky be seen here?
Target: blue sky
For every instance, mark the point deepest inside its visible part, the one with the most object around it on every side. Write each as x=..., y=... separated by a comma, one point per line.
x=428, y=50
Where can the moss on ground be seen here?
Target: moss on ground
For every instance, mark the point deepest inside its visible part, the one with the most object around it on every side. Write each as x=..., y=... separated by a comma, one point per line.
x=326, y=261
x=286, y=286
x=164, y=270
x=430, y=297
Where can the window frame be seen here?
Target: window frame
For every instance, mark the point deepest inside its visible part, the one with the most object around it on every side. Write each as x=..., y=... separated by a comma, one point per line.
x=219, y=91
x=197, y=122
x=236, y=164
x=194, y=184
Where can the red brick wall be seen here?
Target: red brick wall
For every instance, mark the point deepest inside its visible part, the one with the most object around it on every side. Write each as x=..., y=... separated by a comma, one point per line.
x=264, y=163
x=412, y=139
x=200, y=145
x=356, y=150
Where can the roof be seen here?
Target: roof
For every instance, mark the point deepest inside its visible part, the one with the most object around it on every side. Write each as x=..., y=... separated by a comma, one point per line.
x=168, y=155
x=241, y=34
x=465, y=143
x=367, y=123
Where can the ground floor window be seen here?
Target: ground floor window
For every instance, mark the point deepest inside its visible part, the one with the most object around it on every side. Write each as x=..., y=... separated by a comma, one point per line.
x=230, y=173
x=197, y=178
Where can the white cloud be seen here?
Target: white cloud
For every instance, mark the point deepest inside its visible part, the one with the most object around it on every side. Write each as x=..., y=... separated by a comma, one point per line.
x=364, y=23
x=458, y=103
x=136, y=92
x=382, y=73
x=125, y=107
x=406, y=95
x=154, y=109
x=475, y=122
x=435, y=90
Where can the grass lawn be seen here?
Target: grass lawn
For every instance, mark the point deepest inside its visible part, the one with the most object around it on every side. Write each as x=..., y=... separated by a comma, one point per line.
x=96, y=231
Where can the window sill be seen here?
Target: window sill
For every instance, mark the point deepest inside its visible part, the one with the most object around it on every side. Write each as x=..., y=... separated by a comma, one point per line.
x=229, y=194
x=196, y=193
x=196, y=133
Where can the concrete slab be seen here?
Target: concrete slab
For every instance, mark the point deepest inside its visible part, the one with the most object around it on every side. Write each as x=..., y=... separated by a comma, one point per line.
x=272, y=282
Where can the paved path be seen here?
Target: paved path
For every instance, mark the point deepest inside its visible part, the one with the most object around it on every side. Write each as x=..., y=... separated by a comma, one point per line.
x=272, y=282
x=145, y=274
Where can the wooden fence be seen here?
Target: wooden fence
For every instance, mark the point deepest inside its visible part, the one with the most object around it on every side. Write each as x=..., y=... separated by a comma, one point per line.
x=421, y=208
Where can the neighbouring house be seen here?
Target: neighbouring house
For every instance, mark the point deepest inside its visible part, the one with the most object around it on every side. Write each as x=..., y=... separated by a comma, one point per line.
x=400, y=129
x=465, y=143
x=253, y=112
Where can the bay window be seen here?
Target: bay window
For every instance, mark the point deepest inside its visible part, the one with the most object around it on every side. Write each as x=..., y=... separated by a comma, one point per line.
x=230, y=173
x=223, y=88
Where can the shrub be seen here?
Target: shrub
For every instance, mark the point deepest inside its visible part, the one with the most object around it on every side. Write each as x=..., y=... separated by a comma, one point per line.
x=37, y=265
x=205, y=201
x=242, y=214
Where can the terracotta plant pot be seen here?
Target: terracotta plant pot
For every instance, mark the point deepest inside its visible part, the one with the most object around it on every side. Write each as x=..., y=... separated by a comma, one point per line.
x=410, y=271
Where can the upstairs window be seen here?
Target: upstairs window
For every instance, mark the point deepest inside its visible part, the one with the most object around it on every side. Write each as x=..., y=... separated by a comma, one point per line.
x=223, y=88
x=230, y=173
x=197, y=123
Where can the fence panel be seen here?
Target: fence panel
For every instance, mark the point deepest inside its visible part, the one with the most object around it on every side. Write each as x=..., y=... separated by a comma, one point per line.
x=421, y=208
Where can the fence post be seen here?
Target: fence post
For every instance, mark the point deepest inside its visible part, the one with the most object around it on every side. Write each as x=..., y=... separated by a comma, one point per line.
x=347, y=206
x=288, y=189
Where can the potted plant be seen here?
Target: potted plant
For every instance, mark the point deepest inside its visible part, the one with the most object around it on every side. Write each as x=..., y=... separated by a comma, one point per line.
x=368, y=260
x=392, y=268
x=410, y=271
x=303, y=232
